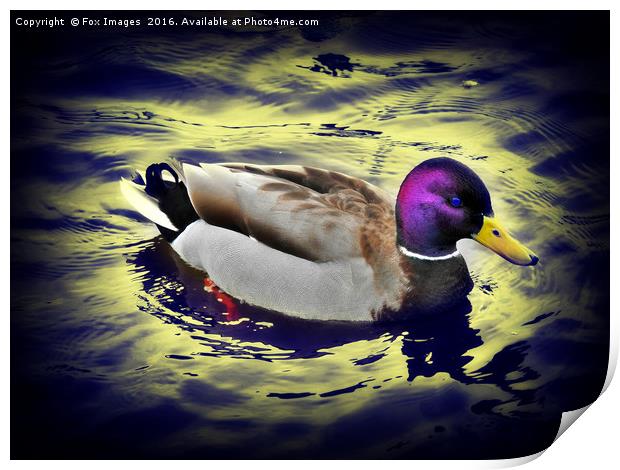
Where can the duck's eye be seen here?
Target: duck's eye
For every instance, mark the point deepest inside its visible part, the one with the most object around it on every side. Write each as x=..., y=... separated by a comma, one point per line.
x=456, y=202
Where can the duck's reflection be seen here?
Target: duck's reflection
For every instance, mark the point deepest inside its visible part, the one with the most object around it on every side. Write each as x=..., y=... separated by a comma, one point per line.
x=439, y=344
x=430, y=343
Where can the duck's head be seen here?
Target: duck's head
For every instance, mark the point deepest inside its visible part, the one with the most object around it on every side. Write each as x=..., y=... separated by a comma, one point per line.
x=442, y=201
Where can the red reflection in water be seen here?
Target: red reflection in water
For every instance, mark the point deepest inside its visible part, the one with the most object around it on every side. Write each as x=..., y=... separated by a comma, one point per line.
x=224, y=298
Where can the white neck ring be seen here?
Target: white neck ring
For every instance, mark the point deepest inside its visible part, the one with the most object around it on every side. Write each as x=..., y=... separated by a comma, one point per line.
x=411, y=254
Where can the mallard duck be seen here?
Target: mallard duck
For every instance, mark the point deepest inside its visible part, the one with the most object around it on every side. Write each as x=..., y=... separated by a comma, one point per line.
x=322, y=245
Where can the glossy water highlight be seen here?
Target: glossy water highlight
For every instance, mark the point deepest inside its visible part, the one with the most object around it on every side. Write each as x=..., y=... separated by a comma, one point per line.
x=117, y=349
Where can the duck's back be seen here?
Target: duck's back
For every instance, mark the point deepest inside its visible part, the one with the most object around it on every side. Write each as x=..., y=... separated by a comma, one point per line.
x=315, y=214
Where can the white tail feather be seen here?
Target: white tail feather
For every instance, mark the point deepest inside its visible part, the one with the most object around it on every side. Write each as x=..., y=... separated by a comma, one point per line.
x=178, y=167
x=145, y=204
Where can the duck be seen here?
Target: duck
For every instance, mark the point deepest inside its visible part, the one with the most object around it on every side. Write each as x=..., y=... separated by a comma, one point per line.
x=322, y=245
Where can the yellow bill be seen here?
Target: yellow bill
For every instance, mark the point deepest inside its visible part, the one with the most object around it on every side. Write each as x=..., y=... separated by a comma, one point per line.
x=496, y=238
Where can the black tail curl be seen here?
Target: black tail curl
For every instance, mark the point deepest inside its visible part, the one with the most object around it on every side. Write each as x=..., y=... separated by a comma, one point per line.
x=172, y=198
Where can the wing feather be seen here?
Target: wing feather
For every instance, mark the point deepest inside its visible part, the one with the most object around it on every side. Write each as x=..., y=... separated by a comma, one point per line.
x=307, y=212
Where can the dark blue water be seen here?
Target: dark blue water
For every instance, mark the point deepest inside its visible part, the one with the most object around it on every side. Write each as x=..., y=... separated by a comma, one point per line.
x=118, y=351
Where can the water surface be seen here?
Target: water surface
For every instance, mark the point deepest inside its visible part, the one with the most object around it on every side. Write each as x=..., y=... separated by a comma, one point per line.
x=118, y=351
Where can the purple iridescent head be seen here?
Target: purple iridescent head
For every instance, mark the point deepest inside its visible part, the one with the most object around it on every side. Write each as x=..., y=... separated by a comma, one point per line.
x=442, y=201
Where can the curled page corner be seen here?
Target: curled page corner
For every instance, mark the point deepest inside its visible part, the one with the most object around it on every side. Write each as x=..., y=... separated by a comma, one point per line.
x=516, y=462
x=568, y=418
x=613, y=357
